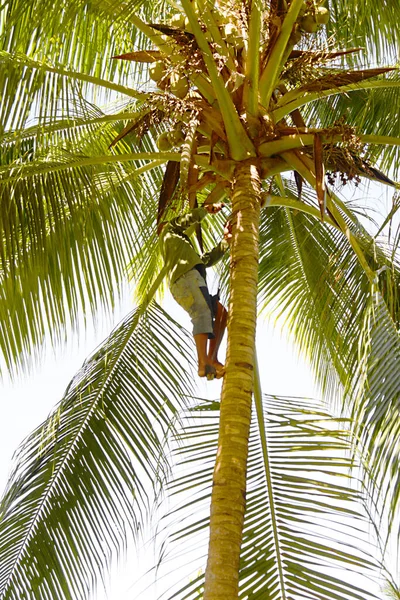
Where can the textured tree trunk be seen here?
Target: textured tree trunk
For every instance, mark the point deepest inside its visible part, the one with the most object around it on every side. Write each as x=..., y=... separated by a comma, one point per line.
x=229, y=484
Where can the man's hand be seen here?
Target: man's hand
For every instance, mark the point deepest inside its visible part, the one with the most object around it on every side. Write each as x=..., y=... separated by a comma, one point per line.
x=228, y=232
x=214, y=208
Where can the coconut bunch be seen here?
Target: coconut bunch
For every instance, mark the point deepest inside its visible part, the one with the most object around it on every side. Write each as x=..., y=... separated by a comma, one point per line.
x=178, y=63
x=199, y=63
x=313, y=17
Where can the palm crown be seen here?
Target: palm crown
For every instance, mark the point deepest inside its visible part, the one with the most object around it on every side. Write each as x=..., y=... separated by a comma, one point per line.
x=246, y=93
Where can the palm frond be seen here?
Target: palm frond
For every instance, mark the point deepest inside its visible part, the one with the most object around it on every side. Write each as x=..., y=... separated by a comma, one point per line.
x=75, y=219
x=355, y=25
x=47, y=90
x=347, y=327
x=302, y=495
x=85, y=478
x=309, y=275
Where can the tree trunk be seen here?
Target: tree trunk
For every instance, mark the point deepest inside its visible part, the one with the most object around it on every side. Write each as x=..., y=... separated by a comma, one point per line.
x=229, y=484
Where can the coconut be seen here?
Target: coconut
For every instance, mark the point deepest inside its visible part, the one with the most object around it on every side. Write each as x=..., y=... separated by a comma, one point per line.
x=322, y=15
x=157, y=71
x=176, y=136
x=309, y=24
x=164, y=143
x=179, y=85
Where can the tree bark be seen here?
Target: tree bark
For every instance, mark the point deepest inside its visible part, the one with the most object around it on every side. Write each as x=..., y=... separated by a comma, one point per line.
x=229, y=484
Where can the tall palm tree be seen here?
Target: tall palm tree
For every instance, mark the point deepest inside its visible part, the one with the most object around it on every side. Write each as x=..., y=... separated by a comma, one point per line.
x=246, y=94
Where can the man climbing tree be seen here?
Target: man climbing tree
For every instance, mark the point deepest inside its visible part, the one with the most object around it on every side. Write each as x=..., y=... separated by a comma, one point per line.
x=188, y=284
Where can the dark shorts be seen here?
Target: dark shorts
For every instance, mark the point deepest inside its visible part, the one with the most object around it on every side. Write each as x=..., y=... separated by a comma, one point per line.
x=191, y=292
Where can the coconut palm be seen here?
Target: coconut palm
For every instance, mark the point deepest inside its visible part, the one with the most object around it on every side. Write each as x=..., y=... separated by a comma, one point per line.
x=246, y=95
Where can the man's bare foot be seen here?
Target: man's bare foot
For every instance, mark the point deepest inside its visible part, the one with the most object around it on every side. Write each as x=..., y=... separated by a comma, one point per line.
x=201, y=371
x=219, y=369
x=208, y=371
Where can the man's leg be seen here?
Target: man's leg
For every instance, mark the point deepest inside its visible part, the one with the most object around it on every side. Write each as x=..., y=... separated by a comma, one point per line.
x=201, y=340
x=219, y=330
x=190, y=291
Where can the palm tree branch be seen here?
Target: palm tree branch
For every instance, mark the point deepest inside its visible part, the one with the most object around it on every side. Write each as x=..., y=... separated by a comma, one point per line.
x=283, y=108
x=110, y=428
x=302, y=438
x=7, y=58
x=273, y=66
x=252, y=66
x=258, y=401
x=28, y=170
x=304, y=166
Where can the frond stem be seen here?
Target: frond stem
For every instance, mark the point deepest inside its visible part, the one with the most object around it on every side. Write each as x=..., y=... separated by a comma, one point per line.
x=240, y=144
x=270, y=74
x=28, y=170
x=267, y=469
x=286, y=105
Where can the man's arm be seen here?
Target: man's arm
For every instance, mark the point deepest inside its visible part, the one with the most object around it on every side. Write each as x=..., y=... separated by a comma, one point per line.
x=182, y=223
x=213, y=256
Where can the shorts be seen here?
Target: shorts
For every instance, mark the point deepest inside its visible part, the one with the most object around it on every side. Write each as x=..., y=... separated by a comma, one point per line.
x=191, y=292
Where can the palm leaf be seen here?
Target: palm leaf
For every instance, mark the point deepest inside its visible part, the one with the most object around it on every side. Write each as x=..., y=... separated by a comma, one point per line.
x=295, y=500
x=346, y=326
x=352, y=24
x=58, y=251
x=85, y=477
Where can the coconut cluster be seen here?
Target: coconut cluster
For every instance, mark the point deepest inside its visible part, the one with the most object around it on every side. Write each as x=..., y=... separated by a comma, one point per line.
x=169, y=75
x=170, y=139
x=313, y=18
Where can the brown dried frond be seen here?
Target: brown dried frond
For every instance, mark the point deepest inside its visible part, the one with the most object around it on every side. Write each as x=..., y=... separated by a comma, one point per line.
x=181, y=37
x=140, y=126
x=336, y=79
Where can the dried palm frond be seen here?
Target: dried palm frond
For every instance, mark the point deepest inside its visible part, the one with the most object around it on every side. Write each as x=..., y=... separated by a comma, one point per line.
x=180, y=36
x=141, y=125
x=147, y=56
x=339, y=79
x=321, y=56
x=168, y=187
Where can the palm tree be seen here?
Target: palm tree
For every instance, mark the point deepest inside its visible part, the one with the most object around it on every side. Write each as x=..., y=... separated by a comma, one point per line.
x=247, y=93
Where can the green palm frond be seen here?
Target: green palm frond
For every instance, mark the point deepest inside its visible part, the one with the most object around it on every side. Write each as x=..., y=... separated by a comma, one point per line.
x=347, y=326
x=47, y=90
x=78, y=214
x=293, y=545
x=354, y=25
x=86, y=476
x=310, y=276
x=377, y=403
